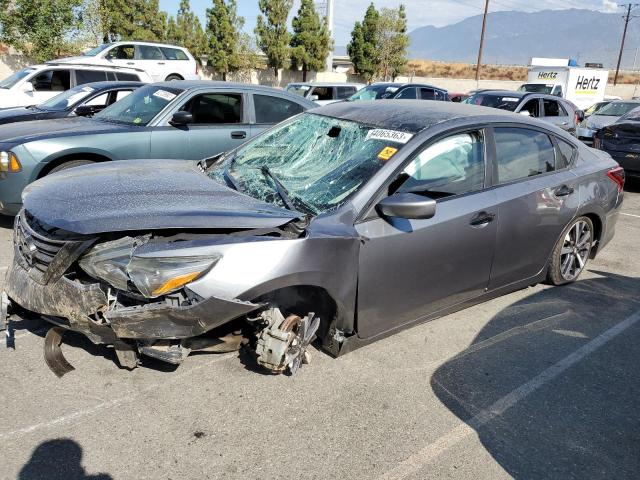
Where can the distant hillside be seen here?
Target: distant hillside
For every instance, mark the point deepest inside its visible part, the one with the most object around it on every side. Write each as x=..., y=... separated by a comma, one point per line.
x=514, y=37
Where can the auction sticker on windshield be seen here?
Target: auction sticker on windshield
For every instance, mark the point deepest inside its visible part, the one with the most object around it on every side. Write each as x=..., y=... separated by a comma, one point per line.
x=389, y=135
x=163, y=94
x=386, y=153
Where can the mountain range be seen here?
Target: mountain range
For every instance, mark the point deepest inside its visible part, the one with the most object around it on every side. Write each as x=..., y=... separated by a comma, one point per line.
x=512, y=38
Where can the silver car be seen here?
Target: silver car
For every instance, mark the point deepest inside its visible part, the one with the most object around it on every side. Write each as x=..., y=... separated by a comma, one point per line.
x=347, y=223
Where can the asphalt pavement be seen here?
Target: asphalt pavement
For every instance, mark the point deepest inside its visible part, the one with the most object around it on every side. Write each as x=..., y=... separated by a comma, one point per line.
x=539, y=384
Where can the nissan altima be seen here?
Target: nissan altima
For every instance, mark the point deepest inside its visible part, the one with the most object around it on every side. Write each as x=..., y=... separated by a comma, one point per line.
x=344, y=224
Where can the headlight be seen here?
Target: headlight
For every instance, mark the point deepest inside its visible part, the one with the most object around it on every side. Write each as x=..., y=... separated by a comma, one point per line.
x=9, y=162
x=155, y=276
x=116, y=263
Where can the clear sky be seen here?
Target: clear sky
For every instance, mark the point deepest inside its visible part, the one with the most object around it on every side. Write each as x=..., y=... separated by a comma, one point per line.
x=419, y=12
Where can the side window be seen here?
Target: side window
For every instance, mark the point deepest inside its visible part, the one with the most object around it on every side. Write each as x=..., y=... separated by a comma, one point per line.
x=52, y=81
x=173, y=54
x=88, y=76
x=147, y=52
x=99, y=101
x=407, y=93
x=274, y=109
x=127, y=77
x=553, y=108
x=216, y=108
x=533, y=107
x=565, y=154
x=345, y=92
x=523, y=153
x=427, y=94
x=323, y=93
x=119, y=95
x=122, y=52
x=452, y=166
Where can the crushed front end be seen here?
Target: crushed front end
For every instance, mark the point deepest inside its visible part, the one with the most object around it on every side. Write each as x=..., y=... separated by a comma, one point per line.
x=127, y=292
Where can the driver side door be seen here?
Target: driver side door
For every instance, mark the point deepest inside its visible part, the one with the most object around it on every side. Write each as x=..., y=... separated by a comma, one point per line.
x=412, y=268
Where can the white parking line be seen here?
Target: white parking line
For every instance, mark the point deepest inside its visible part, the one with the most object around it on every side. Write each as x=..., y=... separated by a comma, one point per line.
x=630, y=215
x=419, y=460
x=106, y=405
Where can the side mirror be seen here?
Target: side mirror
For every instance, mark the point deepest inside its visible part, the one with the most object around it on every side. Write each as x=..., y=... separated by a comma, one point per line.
x=181, y=118
x=580, y=116
x=526, y=113
x=407, y=205
x=27, y=87
x=85, y=110
x=314, y=98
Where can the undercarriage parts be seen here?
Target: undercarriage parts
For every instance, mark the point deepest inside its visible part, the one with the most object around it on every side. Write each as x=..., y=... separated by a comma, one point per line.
x=282, y=343
x=53, y=353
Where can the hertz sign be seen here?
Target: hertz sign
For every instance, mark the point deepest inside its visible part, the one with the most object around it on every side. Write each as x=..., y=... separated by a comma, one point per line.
x=548, y=75
x=585, y=83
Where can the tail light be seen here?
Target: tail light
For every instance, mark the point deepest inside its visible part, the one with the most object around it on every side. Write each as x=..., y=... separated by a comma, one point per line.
x=617, y=176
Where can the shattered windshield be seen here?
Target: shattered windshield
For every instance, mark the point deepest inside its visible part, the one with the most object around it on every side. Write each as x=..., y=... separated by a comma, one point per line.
x=141, y=106
x=313, y=161
x=617, y=109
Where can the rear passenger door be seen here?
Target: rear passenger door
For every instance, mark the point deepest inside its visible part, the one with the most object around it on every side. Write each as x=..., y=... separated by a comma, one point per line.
x=345, y=92
x=151, y=59
x=269, y=110
x=538, y=197
x=555, y=113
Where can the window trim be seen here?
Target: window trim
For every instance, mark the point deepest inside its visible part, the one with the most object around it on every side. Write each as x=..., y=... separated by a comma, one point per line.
x=496, y=176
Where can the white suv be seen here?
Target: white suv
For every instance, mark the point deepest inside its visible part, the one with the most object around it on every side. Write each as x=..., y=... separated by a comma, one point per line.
x=38, y=83
x=161, y=61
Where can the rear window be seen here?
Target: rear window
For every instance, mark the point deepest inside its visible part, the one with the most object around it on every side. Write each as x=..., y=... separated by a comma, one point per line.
x=503, y=102
x=522, y=153
x=88, y=76
x=127, y=77
x=274, y=109
x=173, y=54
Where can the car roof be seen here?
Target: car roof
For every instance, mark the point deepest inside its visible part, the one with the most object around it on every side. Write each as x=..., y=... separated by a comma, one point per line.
x=146, y=42
x=86, y=66
x=112, y=84
x=425, y=85
x=409, y=115
x=197, y=84
x=328, y=84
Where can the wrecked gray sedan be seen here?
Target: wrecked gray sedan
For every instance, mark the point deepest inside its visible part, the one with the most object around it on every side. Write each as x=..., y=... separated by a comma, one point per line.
x=345, y=225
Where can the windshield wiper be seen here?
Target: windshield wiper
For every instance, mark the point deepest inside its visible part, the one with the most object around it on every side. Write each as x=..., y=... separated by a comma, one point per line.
x=283, y=193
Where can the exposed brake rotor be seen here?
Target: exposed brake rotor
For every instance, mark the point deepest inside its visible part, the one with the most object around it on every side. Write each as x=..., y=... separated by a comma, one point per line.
x=282, y=343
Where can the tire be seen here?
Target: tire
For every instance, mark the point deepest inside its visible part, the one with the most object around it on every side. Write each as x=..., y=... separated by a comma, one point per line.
x=69, y=164
x=571, y=253
x=173, y=76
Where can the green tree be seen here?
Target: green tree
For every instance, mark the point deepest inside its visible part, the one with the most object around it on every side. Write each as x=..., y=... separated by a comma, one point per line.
x=272, y=33
x=188, y=30
x=132, y=20
x=392, y=42
x=223, y=33
x=40, y=29
x=362, y=48
x=311, y=40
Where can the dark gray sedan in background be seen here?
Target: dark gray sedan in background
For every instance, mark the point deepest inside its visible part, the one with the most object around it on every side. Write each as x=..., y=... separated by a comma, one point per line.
x=349, y=223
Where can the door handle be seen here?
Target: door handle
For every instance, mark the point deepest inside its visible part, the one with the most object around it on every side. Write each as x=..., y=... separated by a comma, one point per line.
x=160, y=63
x=563, y=191
x=238, y=135
x=130, y=63
x=482, y=219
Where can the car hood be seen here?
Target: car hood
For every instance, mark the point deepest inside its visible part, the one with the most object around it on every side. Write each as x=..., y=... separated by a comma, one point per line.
x=134, y=195
x=43, y=129
x=596, y=122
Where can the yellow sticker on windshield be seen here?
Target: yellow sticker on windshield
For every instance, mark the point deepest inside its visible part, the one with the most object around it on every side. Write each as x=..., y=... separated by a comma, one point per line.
x=386, y=153
x=137, y=120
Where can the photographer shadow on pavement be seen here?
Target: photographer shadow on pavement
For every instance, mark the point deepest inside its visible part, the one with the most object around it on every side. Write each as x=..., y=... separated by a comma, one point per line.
x=59, y=459
x=547, y=400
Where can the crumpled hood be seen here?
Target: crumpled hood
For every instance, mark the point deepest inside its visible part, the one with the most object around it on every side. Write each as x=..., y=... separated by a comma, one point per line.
x=596, y=122
x=42, y=129
x=145, y=195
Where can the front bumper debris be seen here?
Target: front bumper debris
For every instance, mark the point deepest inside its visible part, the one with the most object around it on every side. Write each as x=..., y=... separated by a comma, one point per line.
x=146, y=329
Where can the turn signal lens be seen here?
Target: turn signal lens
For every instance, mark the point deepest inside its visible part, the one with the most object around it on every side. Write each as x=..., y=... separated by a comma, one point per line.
x=175, y=283
x=617, y=176
x=9, y=162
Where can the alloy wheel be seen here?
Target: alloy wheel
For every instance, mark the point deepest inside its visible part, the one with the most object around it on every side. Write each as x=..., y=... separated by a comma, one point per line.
x=575, y=250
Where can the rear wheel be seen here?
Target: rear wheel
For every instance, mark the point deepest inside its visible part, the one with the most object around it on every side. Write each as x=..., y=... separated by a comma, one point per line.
x=69, y=164
x=173, y=76
x=571, y=253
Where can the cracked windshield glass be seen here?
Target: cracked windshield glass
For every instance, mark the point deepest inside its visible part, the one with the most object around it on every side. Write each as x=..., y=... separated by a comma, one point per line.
x=312, y=163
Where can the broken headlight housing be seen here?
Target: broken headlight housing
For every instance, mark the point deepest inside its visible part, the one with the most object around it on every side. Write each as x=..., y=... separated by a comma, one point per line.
x=116, y=263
